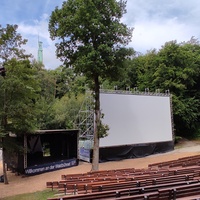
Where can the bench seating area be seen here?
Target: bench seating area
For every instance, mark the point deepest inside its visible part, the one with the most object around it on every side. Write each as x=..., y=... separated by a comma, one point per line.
x=177, y=179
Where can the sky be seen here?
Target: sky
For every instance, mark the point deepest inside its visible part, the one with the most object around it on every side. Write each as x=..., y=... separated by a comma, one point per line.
x=154, y=21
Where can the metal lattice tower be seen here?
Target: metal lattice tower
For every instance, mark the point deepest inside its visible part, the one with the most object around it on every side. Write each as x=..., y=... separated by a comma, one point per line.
x=40, y=52
x=85, y=119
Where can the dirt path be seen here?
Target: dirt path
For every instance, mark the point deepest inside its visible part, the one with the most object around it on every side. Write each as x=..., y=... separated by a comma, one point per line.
x=20, y=185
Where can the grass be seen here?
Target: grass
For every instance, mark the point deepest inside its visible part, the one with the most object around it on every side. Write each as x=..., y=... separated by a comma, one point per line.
x=43, y=195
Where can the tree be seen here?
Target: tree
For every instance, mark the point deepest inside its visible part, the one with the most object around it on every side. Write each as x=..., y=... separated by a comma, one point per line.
x=11, y=43
x=18, y=88
x=92, y=40
x=66, y=110
x=67, y=82
x=178, y=71
x=55, y=110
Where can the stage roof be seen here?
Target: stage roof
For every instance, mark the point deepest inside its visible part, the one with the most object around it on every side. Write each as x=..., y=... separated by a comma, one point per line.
x=55, y=131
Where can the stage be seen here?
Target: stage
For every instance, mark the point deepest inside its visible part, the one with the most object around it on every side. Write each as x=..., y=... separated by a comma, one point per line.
x=44, y=151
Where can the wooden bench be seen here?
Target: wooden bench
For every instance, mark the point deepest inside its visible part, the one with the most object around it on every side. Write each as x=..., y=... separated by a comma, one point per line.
x=96, y=173
x=184, y=170
x=170, y=179
x=180, y=191
x=195, y=197
x=185, y=161
x=84, y=187
x=115, y=186
x=149, y=196
x=147, y=188
x=52, y=185
x=56, y=184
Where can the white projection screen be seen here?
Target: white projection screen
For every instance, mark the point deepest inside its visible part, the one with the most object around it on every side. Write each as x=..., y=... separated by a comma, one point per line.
x=136, y=119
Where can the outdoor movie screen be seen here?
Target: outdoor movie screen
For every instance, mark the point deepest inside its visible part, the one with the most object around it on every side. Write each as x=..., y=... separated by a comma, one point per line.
x=136, y=119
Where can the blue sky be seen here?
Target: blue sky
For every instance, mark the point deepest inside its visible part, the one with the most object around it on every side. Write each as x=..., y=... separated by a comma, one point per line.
x=155, y=22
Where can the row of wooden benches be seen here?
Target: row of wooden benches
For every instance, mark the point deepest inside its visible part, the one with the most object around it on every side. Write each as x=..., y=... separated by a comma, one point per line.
x=142, y=178
x=157, y=182
x=180, y=162
x=91, y=187
x=179, y=190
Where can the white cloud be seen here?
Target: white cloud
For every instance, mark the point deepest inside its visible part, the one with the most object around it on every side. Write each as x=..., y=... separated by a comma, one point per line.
x=49, y=58
x=39, y=30
x=151, y=34
x=155, y=22
x=160, y=21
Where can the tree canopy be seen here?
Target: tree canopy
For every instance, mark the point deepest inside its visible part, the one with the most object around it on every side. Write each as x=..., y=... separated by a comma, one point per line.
x=11, y=44
x=18, y=87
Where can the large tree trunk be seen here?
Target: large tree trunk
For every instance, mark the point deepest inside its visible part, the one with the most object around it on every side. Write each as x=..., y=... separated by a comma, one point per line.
x=95, y=159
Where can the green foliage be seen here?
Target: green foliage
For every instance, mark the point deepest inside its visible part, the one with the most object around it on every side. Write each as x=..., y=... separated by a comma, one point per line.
x=20, y=87
x=45, y=114
x=177, y=139
x=186, y=115
x=102, y=128
x=91, y=36
x=178, y=71
x=66, y=110
x=67, y=82
x=60, y=113
x=59, y=97
x=10, y=43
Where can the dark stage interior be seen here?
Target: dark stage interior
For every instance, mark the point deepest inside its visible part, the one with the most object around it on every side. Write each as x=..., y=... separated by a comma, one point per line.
x=49, y=146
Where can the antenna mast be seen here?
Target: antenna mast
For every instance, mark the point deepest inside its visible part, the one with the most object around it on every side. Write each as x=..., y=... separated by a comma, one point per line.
x=40, y=51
